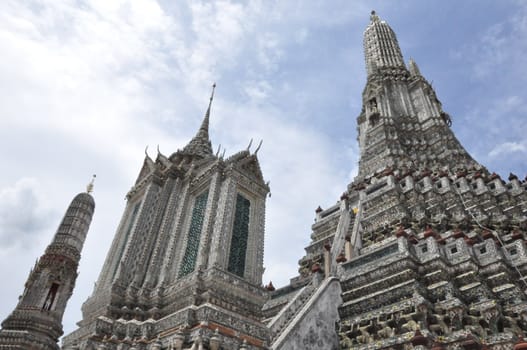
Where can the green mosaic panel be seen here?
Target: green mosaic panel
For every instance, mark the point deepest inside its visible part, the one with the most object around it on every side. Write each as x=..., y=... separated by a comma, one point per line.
x=194, y=233
x=127, y=234
x=240, y=235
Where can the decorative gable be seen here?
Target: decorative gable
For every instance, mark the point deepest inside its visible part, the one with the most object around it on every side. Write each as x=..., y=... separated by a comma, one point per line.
x=147, y=168
x=248, y=164
x=251, y=165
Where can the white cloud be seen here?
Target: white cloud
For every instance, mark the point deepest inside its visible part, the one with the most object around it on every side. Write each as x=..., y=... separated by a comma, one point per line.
x=506, y=148
x=301, y=35
x=26, y=226
x=269, y=52
x=24, y=214
x=258, y=91
x=500, y=45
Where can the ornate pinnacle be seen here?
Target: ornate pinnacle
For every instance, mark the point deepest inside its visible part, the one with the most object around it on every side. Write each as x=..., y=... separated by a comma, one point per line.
x=200, y=144
x=373, y=16
x=212, y=94
x=89, y=188
x=412, y=66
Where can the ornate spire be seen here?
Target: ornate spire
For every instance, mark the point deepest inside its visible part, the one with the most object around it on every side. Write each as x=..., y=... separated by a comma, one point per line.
x=200, y=144
x=380, y=46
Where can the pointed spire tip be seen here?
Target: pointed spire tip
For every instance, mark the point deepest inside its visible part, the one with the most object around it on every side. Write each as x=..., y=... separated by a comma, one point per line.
x=89, y=188
x=200, y=144
x=373, y=16
x=212, y=94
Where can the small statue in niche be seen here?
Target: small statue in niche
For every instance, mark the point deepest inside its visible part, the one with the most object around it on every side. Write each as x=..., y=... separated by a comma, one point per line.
x=456, y=318
x=372, y=104
x=491, y=317
x=47, y=304
x=50, y=298
x=374, y=114
x=446, y=118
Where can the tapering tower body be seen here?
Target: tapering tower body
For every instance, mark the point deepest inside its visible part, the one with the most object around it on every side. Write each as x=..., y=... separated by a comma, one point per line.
x=402, y=123
x=186, y=263
x=36, y=322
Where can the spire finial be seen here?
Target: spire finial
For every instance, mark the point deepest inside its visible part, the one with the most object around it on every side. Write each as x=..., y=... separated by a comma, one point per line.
x=89, y=188
x=212, y=94
x=373, y=16
x=207, y=114
x=200, y=144
x=205, y=124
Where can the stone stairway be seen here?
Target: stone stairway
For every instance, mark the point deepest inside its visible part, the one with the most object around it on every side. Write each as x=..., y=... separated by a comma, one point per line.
x=280, y=322
x=310, y=317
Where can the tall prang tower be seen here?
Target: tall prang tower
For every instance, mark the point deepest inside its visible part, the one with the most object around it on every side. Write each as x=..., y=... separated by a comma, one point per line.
x=439, y=259
x=36, y=322
x=185, y=267
x=426, y=249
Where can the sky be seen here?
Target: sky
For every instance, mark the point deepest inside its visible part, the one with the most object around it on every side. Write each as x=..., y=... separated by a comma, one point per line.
x=86, y=85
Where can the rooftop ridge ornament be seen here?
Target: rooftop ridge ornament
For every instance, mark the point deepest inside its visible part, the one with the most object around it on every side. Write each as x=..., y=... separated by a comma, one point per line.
x=258, y=148
x=89, y=187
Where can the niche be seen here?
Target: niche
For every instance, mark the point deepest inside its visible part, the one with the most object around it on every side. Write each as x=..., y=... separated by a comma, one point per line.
x=50, y=298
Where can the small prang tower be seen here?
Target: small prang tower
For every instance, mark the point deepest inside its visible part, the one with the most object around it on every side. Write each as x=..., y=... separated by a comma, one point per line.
x=36, y=322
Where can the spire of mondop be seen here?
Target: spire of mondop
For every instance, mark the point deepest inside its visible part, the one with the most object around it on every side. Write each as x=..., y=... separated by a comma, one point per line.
x=200, y=144
x=381, y=48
